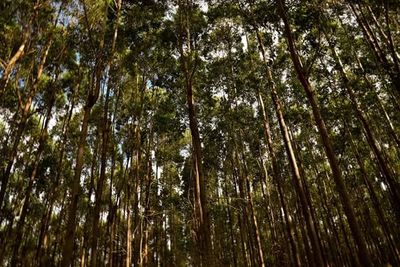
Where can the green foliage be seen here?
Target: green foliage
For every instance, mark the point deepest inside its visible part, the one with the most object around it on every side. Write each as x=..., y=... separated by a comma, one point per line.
x=144, y=55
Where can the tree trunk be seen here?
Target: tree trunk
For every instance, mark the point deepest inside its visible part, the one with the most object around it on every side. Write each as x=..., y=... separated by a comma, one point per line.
x=277, y=179
x=25, y=109
x=317, y=252
x=69, y=238
x=372, y=41
x=28, y=191
x=17, y=56
x=202, y=219
x=336, y=172
x=243, y=172
x=394, y=187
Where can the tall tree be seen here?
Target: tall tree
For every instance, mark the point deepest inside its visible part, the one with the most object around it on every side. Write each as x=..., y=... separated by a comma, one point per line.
x=199, y=133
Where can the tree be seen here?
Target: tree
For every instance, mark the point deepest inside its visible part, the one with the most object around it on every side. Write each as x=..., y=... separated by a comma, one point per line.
x=199, y=133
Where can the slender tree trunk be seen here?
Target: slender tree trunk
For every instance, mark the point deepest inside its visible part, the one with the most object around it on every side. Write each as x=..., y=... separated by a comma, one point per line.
x=231, y=232
x=394, y=187
x=317, y=252
x=10, y=66
x=241, y=222
x=69, y=238
x=202, y=219
x=277, y=179
x=93, y=95
x=336, y=172
x=376, y=48
x=28, y=191
x=377, y=207
x=25, y=109
x=243, y=172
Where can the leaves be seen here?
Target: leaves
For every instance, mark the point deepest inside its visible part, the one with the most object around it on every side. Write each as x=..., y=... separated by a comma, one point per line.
x=137, y=169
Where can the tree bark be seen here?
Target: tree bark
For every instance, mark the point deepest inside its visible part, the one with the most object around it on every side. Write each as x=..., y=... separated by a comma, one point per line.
x=394, y=187
x=336, y=172
x=277, y=178
x=25, y=110
x=202, y=219
x=317, y=252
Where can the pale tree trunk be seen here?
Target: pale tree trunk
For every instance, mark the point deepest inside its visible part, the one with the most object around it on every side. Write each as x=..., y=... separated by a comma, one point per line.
x=32, y=178
x=233, y=238
x=128, y=231
x=25, y=110
x=18, y=55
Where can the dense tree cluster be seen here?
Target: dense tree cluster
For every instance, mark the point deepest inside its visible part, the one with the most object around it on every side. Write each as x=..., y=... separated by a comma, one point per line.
x=199, y=133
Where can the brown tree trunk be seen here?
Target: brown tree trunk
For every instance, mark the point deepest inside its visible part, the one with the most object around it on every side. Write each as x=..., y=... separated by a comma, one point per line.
x=317, y=252
x=69, y=238
x=105, y=140
x=202, y=219
x=277, y=179
x=336, y=172
x=394, y=187
x=93, y=95
x=243, y=172
x=10, y=66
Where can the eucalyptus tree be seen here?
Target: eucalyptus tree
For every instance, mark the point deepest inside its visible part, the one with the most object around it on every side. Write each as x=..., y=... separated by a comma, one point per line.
x=95, y=16
x=199, y=132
